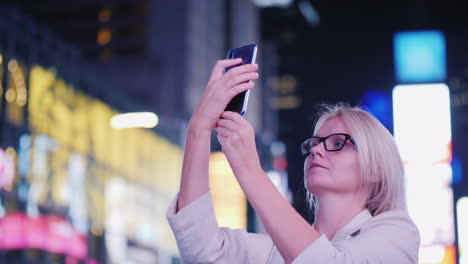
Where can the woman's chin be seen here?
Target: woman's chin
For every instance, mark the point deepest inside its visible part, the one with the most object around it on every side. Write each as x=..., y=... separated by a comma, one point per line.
x=316, y=180
x=317, y=185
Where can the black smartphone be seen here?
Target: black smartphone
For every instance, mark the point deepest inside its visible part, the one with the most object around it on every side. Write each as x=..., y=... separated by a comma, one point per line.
x=248, y=53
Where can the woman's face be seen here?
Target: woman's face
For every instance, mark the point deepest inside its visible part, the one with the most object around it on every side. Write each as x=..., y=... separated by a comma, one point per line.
x=327, y=171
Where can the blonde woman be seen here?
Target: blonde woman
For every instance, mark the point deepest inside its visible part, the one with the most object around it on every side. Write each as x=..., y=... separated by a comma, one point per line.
x=353, y=174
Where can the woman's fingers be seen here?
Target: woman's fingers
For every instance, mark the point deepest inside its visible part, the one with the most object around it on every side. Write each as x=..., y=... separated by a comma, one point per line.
x=227, y=124
x=218, y=69
x=234, y=117
x=241, y=78
x=240, y=88
x=222, y=132
x=239, y=70
x=222, y=87
x=235, y=80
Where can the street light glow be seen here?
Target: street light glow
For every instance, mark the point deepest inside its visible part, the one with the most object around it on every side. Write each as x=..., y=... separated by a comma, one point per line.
x=137, y=119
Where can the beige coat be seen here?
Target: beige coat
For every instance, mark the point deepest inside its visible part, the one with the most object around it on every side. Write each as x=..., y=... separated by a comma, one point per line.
x=390, y=237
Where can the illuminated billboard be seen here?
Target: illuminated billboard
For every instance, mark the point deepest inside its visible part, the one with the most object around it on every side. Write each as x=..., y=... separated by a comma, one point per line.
x=228, y=198
x=423, y=134
x=420, y=56
x=462, y=224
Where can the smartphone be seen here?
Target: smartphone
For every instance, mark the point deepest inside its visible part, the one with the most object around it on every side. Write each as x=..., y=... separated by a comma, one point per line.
x=248, y=54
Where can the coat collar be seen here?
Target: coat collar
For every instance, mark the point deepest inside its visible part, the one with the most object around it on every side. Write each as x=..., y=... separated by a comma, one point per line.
x=353, y=227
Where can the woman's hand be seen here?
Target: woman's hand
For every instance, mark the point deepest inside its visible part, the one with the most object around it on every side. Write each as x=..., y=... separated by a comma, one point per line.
x=221, y=88
x=237, y=138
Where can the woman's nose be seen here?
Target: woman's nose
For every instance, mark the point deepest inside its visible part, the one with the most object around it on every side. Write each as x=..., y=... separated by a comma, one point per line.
x=318, y=149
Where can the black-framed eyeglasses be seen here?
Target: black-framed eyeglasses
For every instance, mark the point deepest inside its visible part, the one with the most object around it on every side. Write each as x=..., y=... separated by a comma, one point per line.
x=333, y=142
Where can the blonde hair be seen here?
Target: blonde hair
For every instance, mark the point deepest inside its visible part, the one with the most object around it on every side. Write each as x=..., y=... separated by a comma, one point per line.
x=382, y=170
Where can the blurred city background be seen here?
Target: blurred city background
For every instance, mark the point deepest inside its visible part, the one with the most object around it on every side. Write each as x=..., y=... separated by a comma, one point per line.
x=91, y=185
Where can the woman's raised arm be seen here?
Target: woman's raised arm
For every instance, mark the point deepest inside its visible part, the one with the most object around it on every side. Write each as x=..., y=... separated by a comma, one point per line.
x=221, y=88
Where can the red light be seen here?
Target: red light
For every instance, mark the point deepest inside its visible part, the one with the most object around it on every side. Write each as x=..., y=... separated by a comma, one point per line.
x=280, y=164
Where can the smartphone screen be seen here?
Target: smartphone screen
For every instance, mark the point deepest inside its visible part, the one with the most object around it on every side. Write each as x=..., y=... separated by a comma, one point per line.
x=248, y=54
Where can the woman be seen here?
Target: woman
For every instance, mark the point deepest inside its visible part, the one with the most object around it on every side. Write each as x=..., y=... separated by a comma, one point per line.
x=352, y=171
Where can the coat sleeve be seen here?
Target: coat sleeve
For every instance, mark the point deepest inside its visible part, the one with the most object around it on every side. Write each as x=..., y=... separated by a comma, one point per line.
x=201, y=240
x=388, y=238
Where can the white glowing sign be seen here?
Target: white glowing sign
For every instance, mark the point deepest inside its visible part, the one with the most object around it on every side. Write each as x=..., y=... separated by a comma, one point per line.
x=128, y=120
x=429, y=184
x=421, y=115
x=462, y=220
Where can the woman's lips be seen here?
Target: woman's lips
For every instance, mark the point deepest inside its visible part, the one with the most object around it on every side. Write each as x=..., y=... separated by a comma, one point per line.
x=315, y=165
